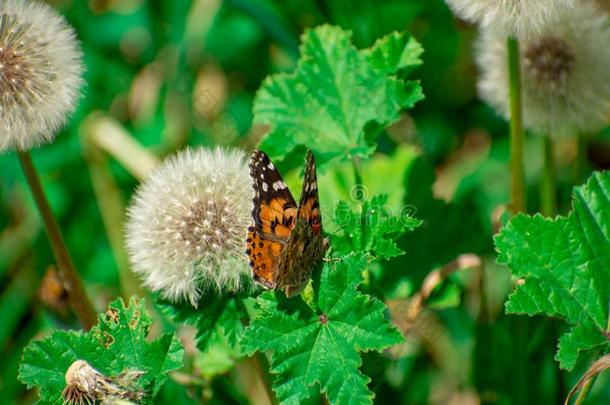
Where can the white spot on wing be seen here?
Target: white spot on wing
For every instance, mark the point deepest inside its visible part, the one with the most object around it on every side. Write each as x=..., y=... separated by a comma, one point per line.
x=279, y=185
x=265, y=187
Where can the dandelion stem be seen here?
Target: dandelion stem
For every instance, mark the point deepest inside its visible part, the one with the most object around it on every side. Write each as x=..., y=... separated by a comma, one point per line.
x=79, y=301
x=548, y=187
x=581, y=158
x=518, y=194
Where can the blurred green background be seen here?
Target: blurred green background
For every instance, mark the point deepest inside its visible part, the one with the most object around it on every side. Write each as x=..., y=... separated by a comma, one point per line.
x=177, y=73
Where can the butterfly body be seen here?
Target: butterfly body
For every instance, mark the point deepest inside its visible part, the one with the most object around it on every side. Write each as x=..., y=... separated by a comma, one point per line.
x=285, y=241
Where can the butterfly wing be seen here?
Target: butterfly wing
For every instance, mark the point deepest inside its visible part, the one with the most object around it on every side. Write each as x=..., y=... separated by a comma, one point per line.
x=264, y=256
x=274, y=209
x=273, y=217
x=309, y=203
x=306, y=245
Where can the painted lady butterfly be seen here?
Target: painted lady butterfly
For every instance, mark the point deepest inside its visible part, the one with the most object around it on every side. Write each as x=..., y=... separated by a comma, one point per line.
x=285, y=241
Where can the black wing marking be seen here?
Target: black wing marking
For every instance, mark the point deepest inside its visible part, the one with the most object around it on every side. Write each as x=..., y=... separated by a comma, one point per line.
x=309, y=203
x=270, y=191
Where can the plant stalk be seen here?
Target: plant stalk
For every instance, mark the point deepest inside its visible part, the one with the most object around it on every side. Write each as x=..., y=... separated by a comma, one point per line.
x=548, y=184
x=359, y=194
x=580, y=162
x=518, y=194
x=77, y=296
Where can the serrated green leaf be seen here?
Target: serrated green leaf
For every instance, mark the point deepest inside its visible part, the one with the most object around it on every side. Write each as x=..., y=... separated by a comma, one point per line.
x=335, y=91
x=564, y=264
x=372, y=227
x=394, y=52
x=322, y=345
x=116, y=344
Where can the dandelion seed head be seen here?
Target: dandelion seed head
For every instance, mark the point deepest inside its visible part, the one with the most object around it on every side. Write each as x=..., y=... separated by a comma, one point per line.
x=188, y=222
x=549, y=61
x=515, y=18
x=564, y=73
x=40, y=73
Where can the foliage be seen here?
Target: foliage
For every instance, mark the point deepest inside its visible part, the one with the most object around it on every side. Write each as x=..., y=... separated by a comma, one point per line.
x=320, y=345
x=176, y=74
x=115, y=345
x=216, y=317
x=372, y=228
x=563, y=262
x=335, y=91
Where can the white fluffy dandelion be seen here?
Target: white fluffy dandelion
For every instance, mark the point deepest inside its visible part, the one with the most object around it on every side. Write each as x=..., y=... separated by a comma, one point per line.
x=565, y=74
x=188, y=222
x=515, y=18
x=40, y=73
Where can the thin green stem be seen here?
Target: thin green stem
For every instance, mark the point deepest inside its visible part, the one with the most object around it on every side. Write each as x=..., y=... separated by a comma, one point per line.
x=518, y=193
x=548, y=186
x=77, y=296
x=580, y=163
x=358, y=192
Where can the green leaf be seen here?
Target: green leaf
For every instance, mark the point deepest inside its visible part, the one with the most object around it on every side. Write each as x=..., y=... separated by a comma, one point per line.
x=335, y=91
x=116, y=344
x=321, y=345
x=564, y=264
x=393, y=53
x=216, y=318
x=372, y=227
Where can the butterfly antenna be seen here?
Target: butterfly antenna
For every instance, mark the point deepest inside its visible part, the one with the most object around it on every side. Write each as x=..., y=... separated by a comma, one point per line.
x=340, y=228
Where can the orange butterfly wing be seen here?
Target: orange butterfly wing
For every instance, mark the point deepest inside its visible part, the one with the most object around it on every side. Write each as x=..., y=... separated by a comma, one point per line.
x=285, y=242
x=273, y=218
x=264, y=255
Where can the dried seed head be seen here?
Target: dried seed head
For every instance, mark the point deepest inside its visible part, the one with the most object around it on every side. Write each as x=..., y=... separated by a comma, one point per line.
x=517, y=18
x=40, y=73
x=188, y=222
x=565, y=74
x=81, y=380
x=86, y=385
